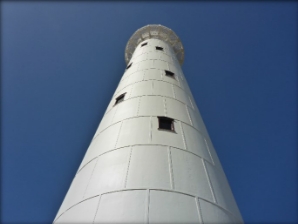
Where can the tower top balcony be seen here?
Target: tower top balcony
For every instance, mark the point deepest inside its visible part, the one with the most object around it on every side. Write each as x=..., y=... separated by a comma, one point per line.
x=155, y=31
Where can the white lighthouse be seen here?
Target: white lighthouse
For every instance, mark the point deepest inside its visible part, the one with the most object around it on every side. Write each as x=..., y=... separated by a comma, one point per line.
x=151, y=159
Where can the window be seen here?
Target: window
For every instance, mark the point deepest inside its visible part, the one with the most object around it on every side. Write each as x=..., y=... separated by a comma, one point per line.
x=170, y=74
x=159, y=48
x=120, y=98
x=128, y=66
x=166, y=123
x=144, y=44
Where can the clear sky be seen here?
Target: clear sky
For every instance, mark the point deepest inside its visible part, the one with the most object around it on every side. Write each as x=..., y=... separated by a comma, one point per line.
x=61, y=63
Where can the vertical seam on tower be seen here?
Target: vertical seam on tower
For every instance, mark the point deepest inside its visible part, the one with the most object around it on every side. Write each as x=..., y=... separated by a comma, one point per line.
x=209, y=181
x=173, y=91
x=125, y=182
x=151, y=63
x=112, y=118
x=97, y=208
x=139, y=106
x=161, y=80
x=178, y=80
x=127, y=79
x=162, y=75
x=188, y=114
x=138, y=65
x=152, y=87
x=118, y=134
x=199, y=210
x=208, y=149
x=171, y=168
x=131, y=91
x=165, y=106
x=182, y=75
x=191, y=102
x=150, y=130
x=148, y=205
x=159, y=56
x=90, y=178
x=182, y=132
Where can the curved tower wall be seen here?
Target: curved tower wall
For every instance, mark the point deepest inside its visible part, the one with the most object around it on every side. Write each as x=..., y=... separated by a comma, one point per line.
x=135, y=173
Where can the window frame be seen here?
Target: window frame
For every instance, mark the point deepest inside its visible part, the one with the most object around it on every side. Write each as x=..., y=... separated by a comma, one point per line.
x=169, y=119
x=170, y=74
x=129, y=65
x=122, y=96
x=158, y=48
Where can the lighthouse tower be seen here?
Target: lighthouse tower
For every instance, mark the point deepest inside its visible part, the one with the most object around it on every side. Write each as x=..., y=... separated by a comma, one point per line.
x=151, y=159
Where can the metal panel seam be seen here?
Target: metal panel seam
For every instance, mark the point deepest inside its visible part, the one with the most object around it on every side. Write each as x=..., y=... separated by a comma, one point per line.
x=157, y=52
x=191, y=102
x=151, y=116
x=161, y=76
x=128, y=164
x=90, y=179
x=209, y=181
x=207, y=145
x=118, y=134
x=185, y=150
x=156, y=189
x=148, y=206
x=188, y=115
x=161, y=71
x=131, y=90
x=182, y=132
x=173, y=91
x=96, y=211
x=139, y=106
x=112, y=120
x=74, y=206
x=155, y=95
x=171, y=168
x=220, y=207
x=140, y=81
x=152, y=87
x=182, y=76
x=150, y=130
x=150, y=95
x=199, y=209
x=138, y=64
x=165, y=106
x=179, y=82
x=153, y=50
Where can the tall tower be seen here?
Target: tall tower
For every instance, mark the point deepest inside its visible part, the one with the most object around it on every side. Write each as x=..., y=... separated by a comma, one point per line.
x=151, y=159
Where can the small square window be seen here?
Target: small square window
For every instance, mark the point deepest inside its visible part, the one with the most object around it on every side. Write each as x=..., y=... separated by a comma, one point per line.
x=144, y=44
x=120, y=98
x=166, y=123
x=128, y=66
x=170, y=74
x=159, y=48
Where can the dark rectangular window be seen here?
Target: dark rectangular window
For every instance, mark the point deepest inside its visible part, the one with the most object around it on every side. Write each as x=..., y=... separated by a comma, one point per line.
x=128, y=66
x=170, y=74
x=159, y=48
x=120, y=98
x=144, y=44
x=166, y=123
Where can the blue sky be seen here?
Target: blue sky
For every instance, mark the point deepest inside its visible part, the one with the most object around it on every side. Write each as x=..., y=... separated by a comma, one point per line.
x=62, y=61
